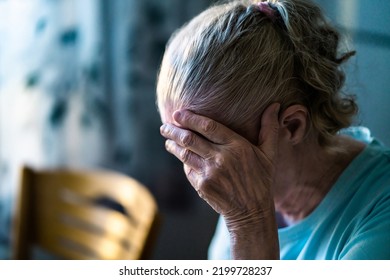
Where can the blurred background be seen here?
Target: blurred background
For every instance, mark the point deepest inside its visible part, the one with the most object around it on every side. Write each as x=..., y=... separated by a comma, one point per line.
x=77, y=89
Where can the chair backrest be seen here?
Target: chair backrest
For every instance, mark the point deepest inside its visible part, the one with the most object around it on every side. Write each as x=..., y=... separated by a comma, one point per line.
x=83, y=215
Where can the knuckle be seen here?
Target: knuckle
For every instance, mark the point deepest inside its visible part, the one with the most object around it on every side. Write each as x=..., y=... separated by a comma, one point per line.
x=209, y=126
x=187, y=139
x=205, y=180
x=185, y=155
x=203, y=183
x=201, y=193
x=219, y=161
x=209, y=176
x=164, y=130
x=168, y=145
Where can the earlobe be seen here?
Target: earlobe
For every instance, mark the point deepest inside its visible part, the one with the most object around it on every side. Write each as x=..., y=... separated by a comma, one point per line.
x=294, y=123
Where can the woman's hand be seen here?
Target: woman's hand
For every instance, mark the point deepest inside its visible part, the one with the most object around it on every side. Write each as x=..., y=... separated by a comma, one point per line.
x=232, y=175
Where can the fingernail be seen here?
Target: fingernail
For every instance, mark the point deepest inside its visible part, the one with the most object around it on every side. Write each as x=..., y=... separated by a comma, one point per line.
x=163, y=129
x=167, y=145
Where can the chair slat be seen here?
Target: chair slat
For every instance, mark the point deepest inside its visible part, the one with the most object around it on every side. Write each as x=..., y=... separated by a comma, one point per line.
x=86, y=244
x=66, y=217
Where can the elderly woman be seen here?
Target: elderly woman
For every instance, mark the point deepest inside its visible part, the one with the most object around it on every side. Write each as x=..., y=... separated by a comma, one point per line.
x=251, y=103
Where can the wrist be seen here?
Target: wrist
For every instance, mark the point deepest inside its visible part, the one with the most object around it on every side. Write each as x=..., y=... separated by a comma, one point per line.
x=254, y=236
x=253, y=221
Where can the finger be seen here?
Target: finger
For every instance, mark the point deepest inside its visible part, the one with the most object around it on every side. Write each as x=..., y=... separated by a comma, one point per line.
x=208, y=128
x=186, y=156
x=215, y=197
x=188, y=140
x=269, y=132
x=191, y=175
x=194, y=177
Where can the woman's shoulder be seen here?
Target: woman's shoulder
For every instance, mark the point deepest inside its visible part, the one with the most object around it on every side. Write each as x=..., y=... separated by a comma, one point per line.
x=359, y=133
x=374, y=148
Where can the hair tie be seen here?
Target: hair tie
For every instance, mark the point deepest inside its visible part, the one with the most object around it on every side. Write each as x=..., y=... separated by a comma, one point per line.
x=266, y=9
x=275, y=12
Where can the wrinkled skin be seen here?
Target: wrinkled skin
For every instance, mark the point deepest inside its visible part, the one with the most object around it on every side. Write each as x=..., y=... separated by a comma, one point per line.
x=232, y=175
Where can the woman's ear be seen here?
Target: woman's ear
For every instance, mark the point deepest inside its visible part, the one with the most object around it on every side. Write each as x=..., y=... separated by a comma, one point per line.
x=294, y=123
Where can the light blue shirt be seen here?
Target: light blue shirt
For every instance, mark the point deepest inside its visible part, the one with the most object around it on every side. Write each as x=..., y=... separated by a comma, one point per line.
x=351, y=222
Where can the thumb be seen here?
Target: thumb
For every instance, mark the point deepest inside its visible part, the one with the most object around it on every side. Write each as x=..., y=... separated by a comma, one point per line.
x=269, y=132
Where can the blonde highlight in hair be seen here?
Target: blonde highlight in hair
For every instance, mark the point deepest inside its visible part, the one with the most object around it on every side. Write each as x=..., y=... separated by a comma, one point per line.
x=232, y=61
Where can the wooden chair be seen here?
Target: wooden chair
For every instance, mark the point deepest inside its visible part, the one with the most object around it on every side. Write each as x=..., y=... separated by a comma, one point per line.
x=83, y=215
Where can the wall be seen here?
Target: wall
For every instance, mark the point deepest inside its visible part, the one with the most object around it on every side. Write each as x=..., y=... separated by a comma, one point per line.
x=77, y=87
x=366, y=23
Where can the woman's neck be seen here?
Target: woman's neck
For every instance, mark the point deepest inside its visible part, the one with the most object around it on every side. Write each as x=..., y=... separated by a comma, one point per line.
x=308, y=173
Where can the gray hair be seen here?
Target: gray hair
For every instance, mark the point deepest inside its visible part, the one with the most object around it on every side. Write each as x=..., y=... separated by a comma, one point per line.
x=232, y=61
